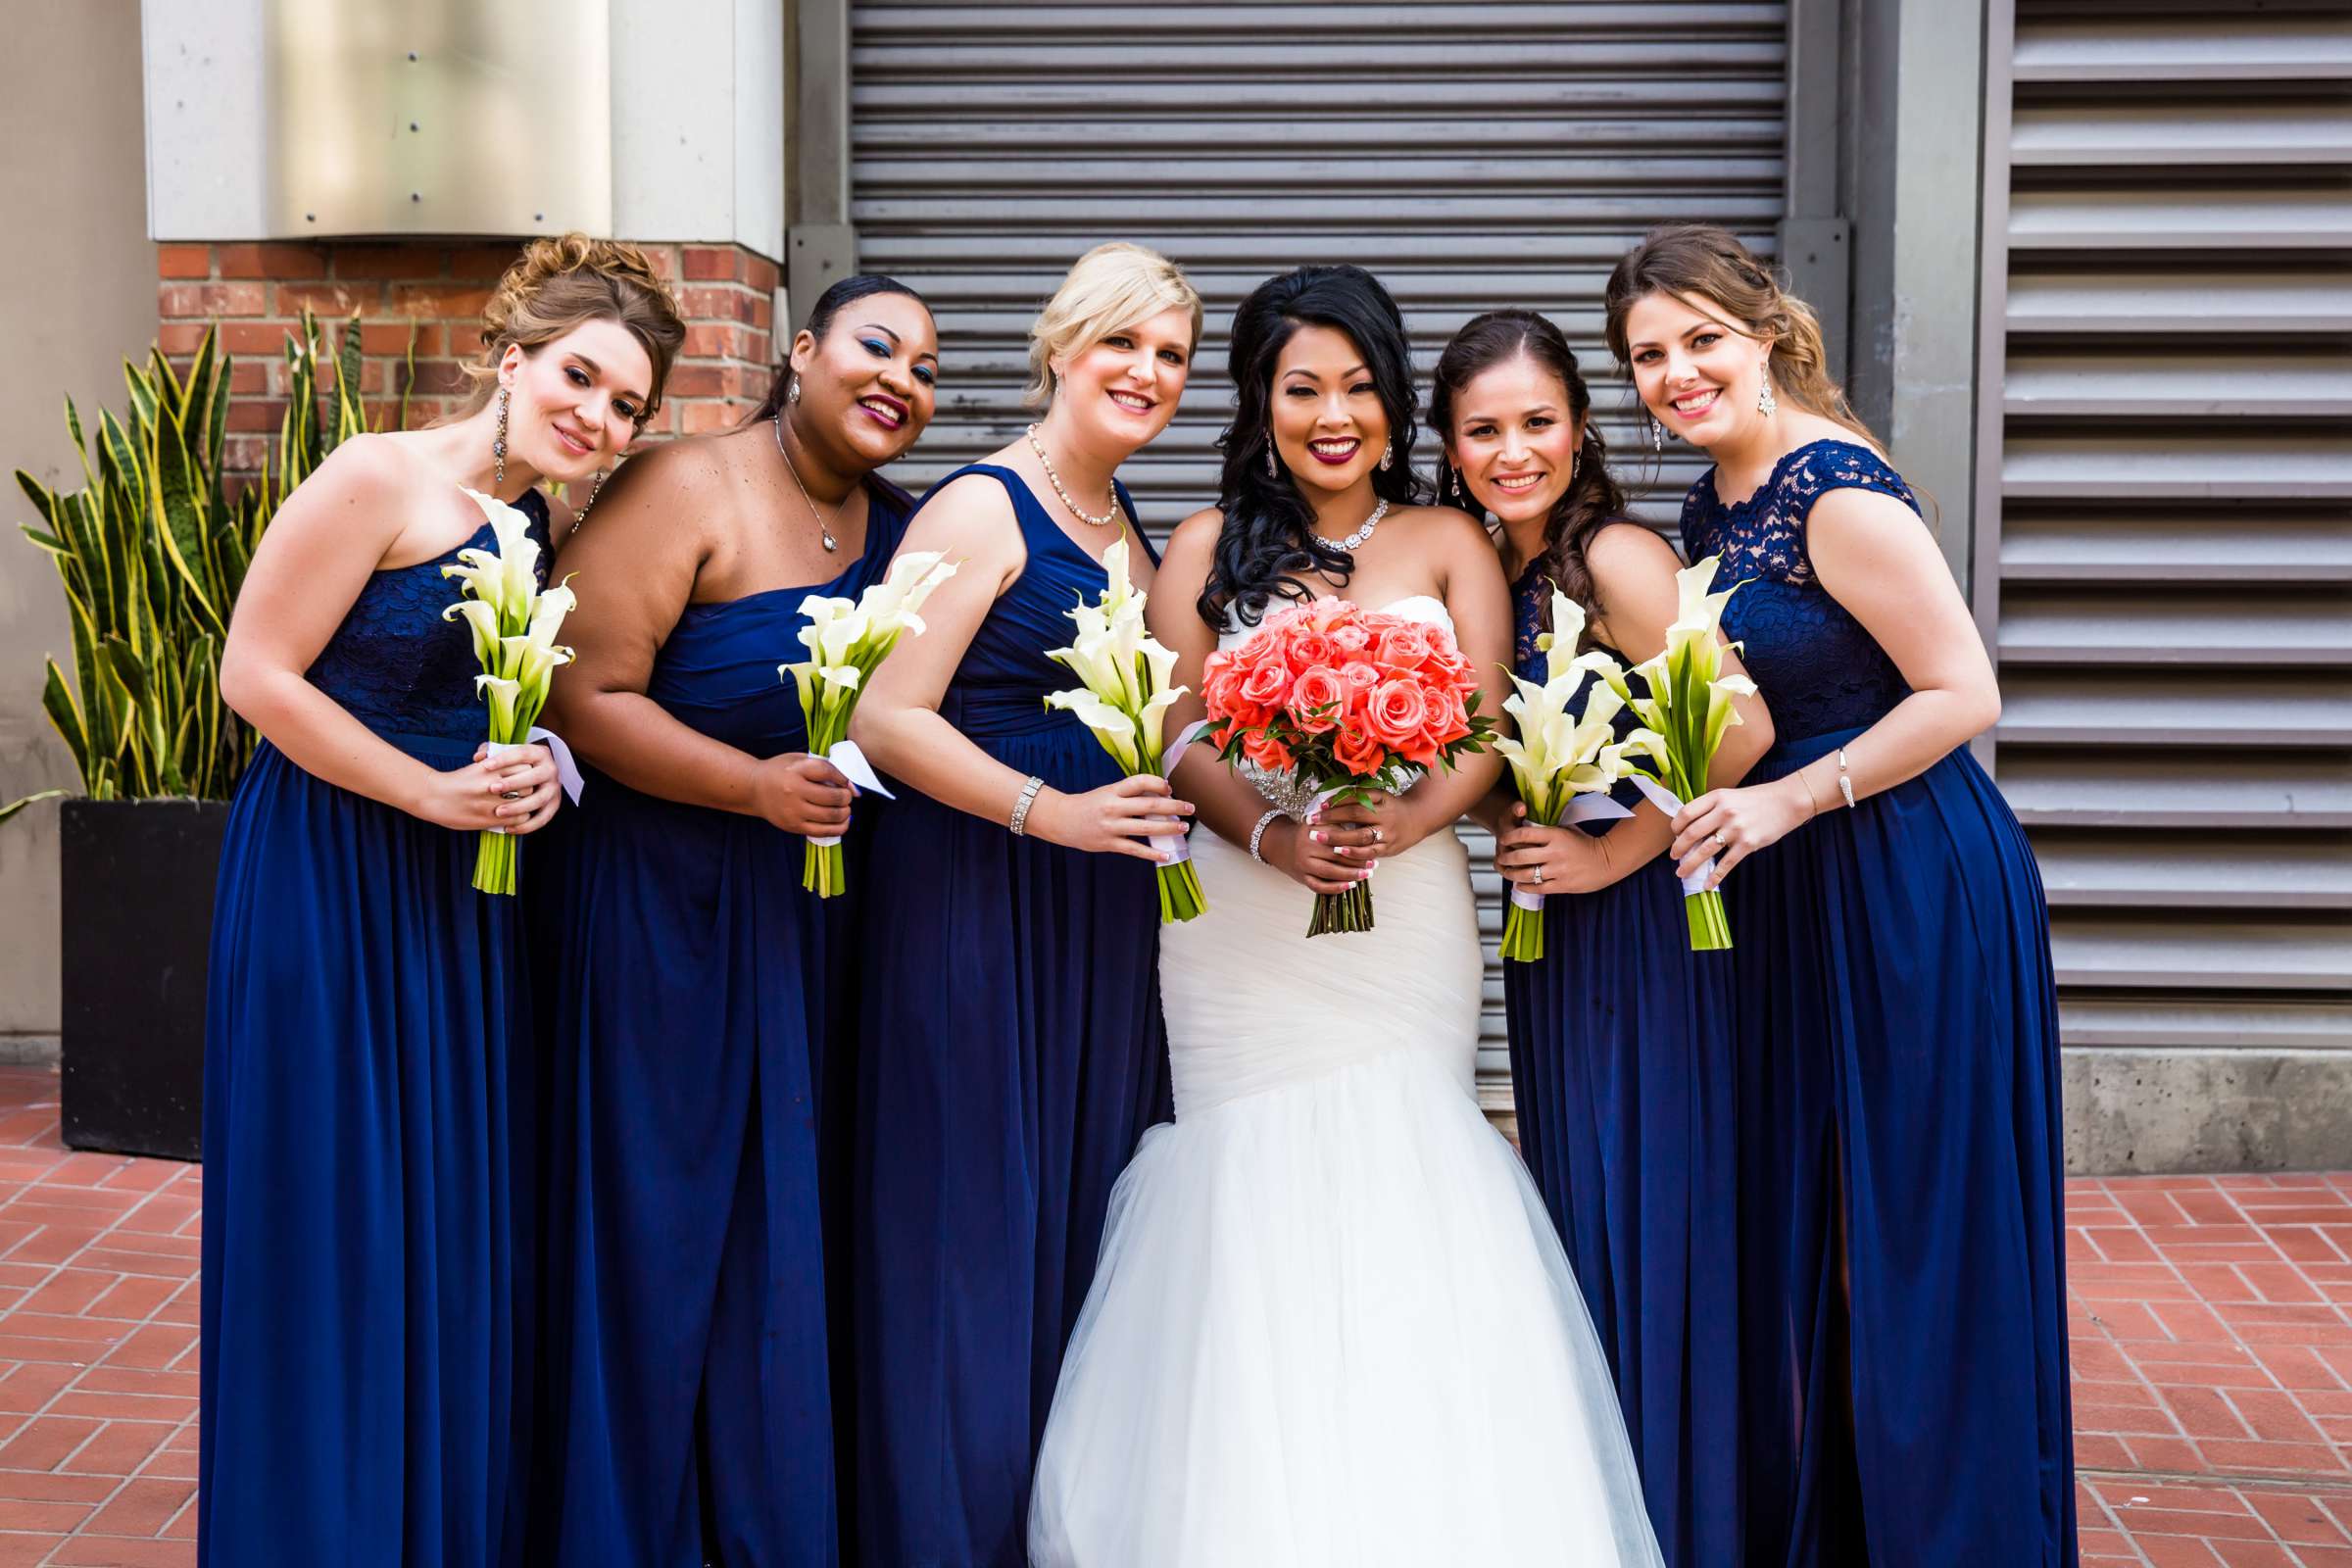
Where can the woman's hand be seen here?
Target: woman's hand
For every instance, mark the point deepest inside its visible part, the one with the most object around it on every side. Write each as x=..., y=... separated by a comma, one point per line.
x=1550, y=860
x=1119, y=818
x=1319, y=857
x=1733, y=824
x=516, y=791
x=803, y=794
x=1379, y=825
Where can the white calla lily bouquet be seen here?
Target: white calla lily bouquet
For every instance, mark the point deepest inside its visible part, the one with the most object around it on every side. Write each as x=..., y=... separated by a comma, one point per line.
x=515, y=622
x=846, y=640
x=1690, y=702
x=1557, y=756
x=1126, y=689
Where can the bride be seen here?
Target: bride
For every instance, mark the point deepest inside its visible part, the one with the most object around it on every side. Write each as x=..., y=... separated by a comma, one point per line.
x=1331, y=1324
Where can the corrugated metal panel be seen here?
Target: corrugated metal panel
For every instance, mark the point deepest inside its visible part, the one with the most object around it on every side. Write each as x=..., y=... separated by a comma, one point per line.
x=1472, y=155
x=2175, y=525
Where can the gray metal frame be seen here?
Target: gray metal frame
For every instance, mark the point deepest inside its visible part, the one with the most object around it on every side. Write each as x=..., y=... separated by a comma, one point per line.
x=1816, y=239
x=821, y=241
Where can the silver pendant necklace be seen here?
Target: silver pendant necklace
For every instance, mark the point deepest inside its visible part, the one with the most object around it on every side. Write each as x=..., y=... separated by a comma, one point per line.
x=825, y=525
x=1054, y=480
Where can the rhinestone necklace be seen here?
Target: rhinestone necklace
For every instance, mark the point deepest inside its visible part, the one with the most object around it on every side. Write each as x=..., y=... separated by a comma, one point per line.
x=1054, y=480
x=825, y=525
x=1363, y=535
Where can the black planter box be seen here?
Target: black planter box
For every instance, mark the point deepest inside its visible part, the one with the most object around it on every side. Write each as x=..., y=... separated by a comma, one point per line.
x=137, y=912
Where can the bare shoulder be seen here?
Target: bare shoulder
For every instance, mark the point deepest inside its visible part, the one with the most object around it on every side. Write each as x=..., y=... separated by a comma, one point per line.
x=973, y=505
x=1852, y=511
x=1446, y=526
x=1195, y=536
x=1628, y=548
x=367, y=466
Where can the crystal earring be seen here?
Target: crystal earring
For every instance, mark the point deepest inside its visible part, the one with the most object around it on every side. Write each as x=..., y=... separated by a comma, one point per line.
x=1766, y=404
x=1457, y=484
x=1658, y=436
x=792, y=390
x=1388, y=455
x=1273, y=469
x=1575, y=460
x=498, y=443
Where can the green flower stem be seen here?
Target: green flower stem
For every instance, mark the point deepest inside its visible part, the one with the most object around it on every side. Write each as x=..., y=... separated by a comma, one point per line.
x=1710, y=928
x=1350, y=910
x=1180, y=897
x=1523, y=935
x=823, y=872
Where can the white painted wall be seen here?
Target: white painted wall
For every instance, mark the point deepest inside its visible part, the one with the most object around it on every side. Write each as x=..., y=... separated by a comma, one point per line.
x=697, y=121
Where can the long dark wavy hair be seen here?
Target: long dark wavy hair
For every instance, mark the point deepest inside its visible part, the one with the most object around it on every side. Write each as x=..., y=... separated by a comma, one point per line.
x=1269, y=534
x=1593, y=500
x=844, y=291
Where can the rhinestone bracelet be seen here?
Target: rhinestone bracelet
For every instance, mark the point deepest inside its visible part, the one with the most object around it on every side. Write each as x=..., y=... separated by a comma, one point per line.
x=1020, y=807
x=1257, y=835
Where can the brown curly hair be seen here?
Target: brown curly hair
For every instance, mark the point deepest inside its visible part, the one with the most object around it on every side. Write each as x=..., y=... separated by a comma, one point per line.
x=559, y=283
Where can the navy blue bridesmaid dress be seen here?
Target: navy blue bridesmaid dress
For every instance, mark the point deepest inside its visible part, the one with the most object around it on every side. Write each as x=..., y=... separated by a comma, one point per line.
x=1011, y=1056
x=1622, y=1074
x=1902, y=1250
x=691, y=991
x=368, y=1141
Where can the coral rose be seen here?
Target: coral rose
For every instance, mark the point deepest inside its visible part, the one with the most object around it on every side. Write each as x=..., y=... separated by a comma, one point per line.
x=1397, y=713
x=1351, y=639
x=1359, y=752
x=1405, y=645
x=1268, y=753
x=1310, y=649
x=1317, y=700
x=1265, y=684
x=1359, y=676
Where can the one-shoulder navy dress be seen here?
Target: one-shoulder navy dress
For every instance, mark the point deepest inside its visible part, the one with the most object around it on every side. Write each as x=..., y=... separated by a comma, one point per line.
x=1011, y=1056
x=1903, y=1308
x=1622, y=1076
x=368, y=1140
x=689, y=996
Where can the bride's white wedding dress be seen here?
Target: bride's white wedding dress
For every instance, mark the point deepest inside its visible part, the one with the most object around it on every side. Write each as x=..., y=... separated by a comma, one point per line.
x=1332, y=1326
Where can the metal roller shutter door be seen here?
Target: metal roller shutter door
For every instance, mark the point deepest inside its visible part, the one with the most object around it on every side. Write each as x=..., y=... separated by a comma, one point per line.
x=2175, y=483
x=1471, y=155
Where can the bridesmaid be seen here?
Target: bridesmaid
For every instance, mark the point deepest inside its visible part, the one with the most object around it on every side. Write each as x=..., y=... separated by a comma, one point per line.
x=367, y=1120
x=689, y=1418
x=1621, y=1059
x=1903, y=1305
x=1013, y=1053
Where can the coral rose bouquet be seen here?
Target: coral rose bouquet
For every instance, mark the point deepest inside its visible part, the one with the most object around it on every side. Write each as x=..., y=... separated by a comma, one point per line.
x=1327, y=702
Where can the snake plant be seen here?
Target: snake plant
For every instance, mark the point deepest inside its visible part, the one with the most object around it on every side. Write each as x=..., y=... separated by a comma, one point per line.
x=151, y=551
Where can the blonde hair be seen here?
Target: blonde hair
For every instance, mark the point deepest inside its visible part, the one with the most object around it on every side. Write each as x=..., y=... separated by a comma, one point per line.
x=562, y=282
x=1110, y=289
x=1703, y=262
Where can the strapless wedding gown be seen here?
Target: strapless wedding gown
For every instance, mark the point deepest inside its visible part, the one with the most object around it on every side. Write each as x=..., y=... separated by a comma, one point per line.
x=1331, y=1326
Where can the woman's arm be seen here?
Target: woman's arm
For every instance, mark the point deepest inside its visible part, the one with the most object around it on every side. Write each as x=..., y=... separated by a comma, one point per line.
x=898, y=722
x=635, y=562
x=324, y=542
x=1875, y=556
x=1226, y=801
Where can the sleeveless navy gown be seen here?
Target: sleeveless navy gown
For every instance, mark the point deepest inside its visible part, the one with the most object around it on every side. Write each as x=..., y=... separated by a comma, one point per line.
x=367, y=1139
x=691, y=991
x=1622, y=1075
x=1903, y=1308
x=1011, y=1056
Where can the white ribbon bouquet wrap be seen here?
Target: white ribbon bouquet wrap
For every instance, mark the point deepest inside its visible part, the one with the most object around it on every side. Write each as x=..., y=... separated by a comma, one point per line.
x=1124, y=698
x=1563, y=765
x=514, y=622
x=1690, y=702
x=846, y=640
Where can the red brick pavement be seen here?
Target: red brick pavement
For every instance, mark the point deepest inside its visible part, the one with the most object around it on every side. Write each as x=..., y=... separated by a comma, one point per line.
x=2211, y=1323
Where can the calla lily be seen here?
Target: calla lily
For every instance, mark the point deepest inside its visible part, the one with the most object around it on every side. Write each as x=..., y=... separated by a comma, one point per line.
x=1115, y=730
x=483, y=621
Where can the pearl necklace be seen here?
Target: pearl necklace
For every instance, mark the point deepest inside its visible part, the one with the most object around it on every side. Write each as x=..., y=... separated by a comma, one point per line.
x=825, y=525
x=1363, y=535
x=1054, y=480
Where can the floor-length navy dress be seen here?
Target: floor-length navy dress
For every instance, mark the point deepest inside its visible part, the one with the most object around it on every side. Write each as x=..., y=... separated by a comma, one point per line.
x=368, y=1140
x=689, y=1000
x=1901, y=1254
x=1622, y=1075
x=1012, y=1058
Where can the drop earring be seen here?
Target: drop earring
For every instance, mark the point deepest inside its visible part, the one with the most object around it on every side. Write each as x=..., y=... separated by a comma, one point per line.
x=1456, y=478
x=1388, y=455
x=1273, y=469
x=498, y=443
x=1658, y=436
x=792, y=390
x=1766, y=404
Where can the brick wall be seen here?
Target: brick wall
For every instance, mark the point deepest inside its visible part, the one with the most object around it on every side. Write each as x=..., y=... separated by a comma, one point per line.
x=256, y=292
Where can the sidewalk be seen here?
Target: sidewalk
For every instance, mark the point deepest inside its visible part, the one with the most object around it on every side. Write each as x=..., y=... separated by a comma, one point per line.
x=2212, y=1322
